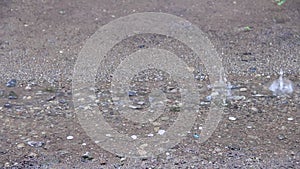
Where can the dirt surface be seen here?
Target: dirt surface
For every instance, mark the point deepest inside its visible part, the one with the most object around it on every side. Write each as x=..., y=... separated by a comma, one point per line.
x=40, y=42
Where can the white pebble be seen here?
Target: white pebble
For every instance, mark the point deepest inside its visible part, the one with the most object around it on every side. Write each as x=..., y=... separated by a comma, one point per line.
x=28, y=87
x=243, y=89
x=70, y=137
x=161, y=132
x=290, y=118
x=134, y=137
x=150, y=135
x=232, y=118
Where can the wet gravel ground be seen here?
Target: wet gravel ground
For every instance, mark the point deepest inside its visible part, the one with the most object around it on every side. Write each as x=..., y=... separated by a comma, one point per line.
x=40, y=42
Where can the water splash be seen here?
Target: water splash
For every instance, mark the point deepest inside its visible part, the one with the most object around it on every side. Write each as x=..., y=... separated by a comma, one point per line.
x=220, y=89
x=281, y=86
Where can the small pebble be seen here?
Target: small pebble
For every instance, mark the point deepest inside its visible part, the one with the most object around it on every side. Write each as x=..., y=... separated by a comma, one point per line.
x=290, y=119
x=140, y=103
x=196, y=136
x=11, y=83
x=51, y=98
x=28, y=87
x=141, y=46
x=21, y=145
x=12, y=95
x=208, y=98
x=2, y=93
x=86, y=156
x=135, y=107
x=132, y=93
x=156, y=129
x=62, y=12
x=161, y=132
x=254, y=109
x=281, y=137
x=165, y=118
x=150, y=135
x=7, y=105
x=237, y=98
x=243, y=89
x=35, y=143
x=232, y=118
x=252, y=69
x=134, y=137
x=70, y=138
x=32, y=154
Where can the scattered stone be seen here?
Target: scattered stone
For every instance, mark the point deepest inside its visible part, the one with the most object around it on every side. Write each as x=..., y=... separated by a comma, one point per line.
x=156, y=123
x=12, y=95
x=243, y=89
x=232, y=118
x=7, y=164
x=135, y=107
x=62, y=101
x=62, y=12
x=281, y=137
x=254, y=109
x=134, y=137
x=86, y=156
x=35, y=143
x=132, y=93
x=161, y=132
x=165, y=118
x=156, y=129
x=2, y=93
x=259, y=95
x=32, y=155
x=11, y=83
x=28, y=87
x=51, y=98
x=237, y=98
x=141, y=46
x=150, y=135
x=196, y=136
x=21, y=145
x=204, y=103
x=7, y=105
x=252, y=69
x=140, y=103
x=208, y=98
x=173, y=91
x=70, y=138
